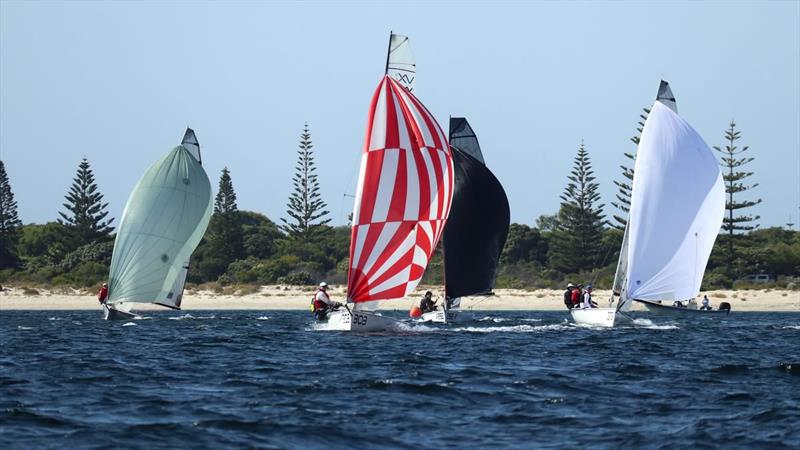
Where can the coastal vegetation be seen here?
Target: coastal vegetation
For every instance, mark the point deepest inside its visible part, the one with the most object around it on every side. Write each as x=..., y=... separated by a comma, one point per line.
x=577, y=243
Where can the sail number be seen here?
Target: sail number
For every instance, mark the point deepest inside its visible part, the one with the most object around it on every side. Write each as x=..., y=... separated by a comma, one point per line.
x=360, y=319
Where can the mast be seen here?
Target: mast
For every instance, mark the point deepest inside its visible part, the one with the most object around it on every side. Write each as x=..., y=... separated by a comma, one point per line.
x=388, y=52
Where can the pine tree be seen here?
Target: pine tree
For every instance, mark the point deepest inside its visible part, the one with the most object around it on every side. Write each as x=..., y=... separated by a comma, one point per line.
x=734, y=184
x=9, y=222
x=577, y=242
x=86, y=212
x=305, y=208
x=625, y=186
x=225, y=229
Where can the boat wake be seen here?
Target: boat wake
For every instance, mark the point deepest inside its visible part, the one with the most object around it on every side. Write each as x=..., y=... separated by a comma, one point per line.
x=188, y=316
x=648, y=324
x=516, y=328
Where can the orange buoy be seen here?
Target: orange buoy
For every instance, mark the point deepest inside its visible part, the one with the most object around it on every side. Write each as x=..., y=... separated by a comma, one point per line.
x=415, y=312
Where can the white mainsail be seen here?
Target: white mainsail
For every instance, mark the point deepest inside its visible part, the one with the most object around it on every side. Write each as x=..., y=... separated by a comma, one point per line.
x=677, y=205
x=164, y=219
x=400, y=63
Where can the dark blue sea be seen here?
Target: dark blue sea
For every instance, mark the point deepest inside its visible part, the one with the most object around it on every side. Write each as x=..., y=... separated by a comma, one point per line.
x=266, y=379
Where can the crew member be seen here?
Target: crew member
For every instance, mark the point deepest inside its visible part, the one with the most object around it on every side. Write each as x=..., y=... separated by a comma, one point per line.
x=587, y=297
x=706, y=305
x=427, y=304
x=103, y=294
x=568, y=296
x=323, y=303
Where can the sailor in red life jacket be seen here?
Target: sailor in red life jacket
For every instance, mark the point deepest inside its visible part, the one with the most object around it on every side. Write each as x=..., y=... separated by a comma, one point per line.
x=575, y=296
x=103, y=294
x=323, y=303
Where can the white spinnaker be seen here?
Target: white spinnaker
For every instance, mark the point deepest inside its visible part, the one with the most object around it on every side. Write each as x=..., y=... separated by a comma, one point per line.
x=677, y=205
x=164, y=219
x=400, y=63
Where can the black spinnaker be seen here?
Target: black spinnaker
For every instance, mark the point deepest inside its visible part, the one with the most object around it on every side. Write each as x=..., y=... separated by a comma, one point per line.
x=479, y=218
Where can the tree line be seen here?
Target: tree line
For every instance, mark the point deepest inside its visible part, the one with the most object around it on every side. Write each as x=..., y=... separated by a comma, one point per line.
x=579, y=242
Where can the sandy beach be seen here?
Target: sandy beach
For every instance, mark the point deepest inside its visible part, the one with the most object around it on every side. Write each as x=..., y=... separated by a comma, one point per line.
x=298, y=298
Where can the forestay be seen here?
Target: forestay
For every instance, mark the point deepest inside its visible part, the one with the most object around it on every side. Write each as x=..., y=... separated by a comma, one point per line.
x=676, y=210
x=164, y=219
x=400, y=62
x=403, y=196
x=478, y=223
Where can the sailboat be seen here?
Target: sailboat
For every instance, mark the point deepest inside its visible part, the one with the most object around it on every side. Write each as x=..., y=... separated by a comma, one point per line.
x=677, y=205
x=476, y=229
x=403, y=197
x=164, y=219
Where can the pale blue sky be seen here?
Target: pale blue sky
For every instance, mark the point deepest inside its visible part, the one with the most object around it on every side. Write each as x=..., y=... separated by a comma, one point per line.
x=119, y=82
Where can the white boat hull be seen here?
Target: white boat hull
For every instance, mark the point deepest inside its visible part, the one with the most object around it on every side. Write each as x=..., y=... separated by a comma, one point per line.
x=344, y=320
x=599, y=317
x=451, y=315
x=674, y=311
x=112, y=313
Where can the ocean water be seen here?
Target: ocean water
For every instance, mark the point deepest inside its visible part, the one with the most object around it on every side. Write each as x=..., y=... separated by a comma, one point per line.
x=267, y=379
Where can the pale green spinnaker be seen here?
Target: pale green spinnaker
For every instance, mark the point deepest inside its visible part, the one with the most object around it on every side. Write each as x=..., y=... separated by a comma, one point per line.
x=165, y=217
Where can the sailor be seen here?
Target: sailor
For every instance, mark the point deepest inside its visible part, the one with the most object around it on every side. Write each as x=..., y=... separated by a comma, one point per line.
x=323, y=303
x=103, y=294
x=706, y=305
x=427, y=304
x=568, y=295
x=587, y=297
x=576, y=295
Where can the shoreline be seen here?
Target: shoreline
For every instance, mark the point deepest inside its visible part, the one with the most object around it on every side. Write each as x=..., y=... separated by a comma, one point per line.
x=298, y=298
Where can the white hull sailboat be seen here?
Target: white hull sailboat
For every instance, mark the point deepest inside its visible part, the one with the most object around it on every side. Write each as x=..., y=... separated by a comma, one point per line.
x=346, y=320
x=677, y=205
x=598, y=317
x=403, y=197
x=691, y=310
x=165, y=217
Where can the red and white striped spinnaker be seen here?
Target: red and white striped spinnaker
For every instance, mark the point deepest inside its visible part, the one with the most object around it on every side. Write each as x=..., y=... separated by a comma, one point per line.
x=405, y=187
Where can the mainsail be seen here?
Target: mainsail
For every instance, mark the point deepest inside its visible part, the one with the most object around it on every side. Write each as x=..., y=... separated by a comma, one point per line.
x=478, y=223
x=400, y=62
x=403, y=196
x=463, y=138
x=677, y=205
x=165, y=217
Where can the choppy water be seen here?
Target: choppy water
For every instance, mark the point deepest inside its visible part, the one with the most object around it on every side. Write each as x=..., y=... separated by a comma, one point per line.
x=231, y=379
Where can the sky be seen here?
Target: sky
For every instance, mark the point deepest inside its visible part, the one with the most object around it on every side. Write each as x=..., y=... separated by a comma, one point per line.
x=118, y=83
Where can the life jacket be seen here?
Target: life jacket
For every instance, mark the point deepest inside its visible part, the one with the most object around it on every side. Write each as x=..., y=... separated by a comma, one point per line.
x=318, y=304
x=575, y=296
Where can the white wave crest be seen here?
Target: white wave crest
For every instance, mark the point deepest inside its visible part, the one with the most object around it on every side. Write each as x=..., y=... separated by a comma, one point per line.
x=791, y=327
x=648, y=324
x=128, y=324
x=262, y=318
x=515, y=328
x=20, y=327
x=414, y=328
x=189, y=316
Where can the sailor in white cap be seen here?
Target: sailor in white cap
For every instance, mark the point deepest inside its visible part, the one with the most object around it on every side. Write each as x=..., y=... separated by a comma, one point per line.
x=568, y=295
x=322, y=302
